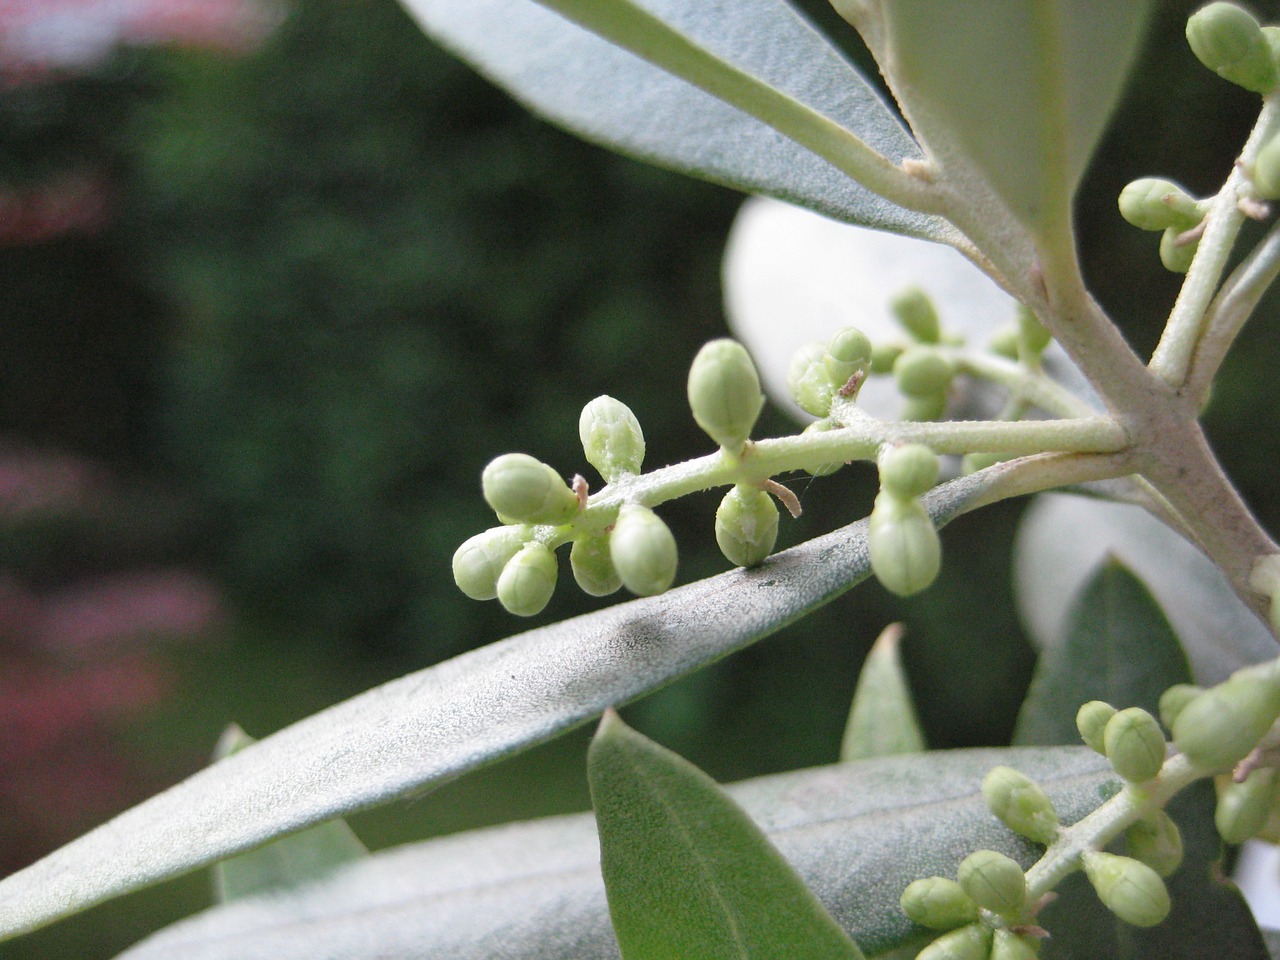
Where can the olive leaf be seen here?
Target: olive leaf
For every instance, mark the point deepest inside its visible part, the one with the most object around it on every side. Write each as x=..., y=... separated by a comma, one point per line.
x=1061, y=540
x=430, y=726
x=1016, y=92
x=758, y=54
x=688, y=874
x=856, y=833
x=882, y=721
x=1117, y=647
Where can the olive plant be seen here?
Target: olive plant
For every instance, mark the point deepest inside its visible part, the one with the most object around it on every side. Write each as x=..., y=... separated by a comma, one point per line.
x=1155, y=602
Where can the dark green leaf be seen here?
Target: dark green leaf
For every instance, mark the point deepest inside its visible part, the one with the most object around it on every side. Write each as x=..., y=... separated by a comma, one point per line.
x=856, y=833
x=883, y=719
x=289, y=861
x=1118, y=647
x=688, y=874
x=614, y=98
x=1063, y=538
x=428, y=727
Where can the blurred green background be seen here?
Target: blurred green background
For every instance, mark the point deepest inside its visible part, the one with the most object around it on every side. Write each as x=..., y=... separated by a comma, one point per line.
x=317, y=285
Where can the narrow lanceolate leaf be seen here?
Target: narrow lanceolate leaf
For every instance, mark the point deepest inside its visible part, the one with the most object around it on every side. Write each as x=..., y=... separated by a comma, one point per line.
x=430, y=726
x=1063, y=538
x=856, y=833
x=289, y=861
x=1118, y=648
x=883, y=719
x=1016, y=91
x=794, y=98
x=688, y=874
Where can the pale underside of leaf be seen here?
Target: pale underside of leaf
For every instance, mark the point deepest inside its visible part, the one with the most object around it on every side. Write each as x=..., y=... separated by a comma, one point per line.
x=743, y=47
x=431, y=726
x=856, y=833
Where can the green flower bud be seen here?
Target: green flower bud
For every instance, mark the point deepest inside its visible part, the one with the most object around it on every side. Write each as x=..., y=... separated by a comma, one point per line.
x=528, y=580
x=849, y=352
x=971, y=942
x=825, y=469
x=1128, y=888
x=1229, y=41
x=922, y=409
x=592, y=566
x=1174, y=699
x=808, y=381
x=1155, y=204
x=915, y=311
x=1157, y=842
x=1221, y=726
x=525, y=490
x=1244, y=808
x=1266, y=170
x=478, y=563
x=906, y=553
x=1176, y=257
x=994, y=881
x=1091, y=721
x=724, y=393
x=884, y=356
x=1004, y=342
x=1020, y=804
x=908, y=470
x=923, y=372
x=746, y=526
x=1134, y=744
x=1033, y=337
x=643, y=551
x=1008, y=945
x=611, y=438
x=938, y=903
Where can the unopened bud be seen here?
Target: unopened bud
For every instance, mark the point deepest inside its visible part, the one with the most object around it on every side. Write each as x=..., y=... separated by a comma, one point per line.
x=884, y=356
x=1004, y=342
x=915, y=311
x=1033, y=336
x=611, y=438
x=908, y=470
x=478, y=563
x=994, y=881
x=923, y=372
x=938, y=903
x=1244, y=808
x=849, y=352
x=525, y=490
x=1155, y=204
x=1266, y=170
x=643, y=551
x=1175, y=256
x=724, y=393
x=746, y=526
x=808, y=381
x=592, y=567
x=1128, y=888
x=1221, y=726
x=1157, y=842
x=1007, y=945
x=1134, y=744
x=528, y=580
x=1229, y=41
x=1020, y=804
x=924, y=409
x=1174, y=699
x=906, y=553
x=1091, y=721
x=970, y=942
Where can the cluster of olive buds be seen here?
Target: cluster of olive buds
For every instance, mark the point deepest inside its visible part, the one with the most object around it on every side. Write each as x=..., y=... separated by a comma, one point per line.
x=624, y=545
x=1230, y=41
